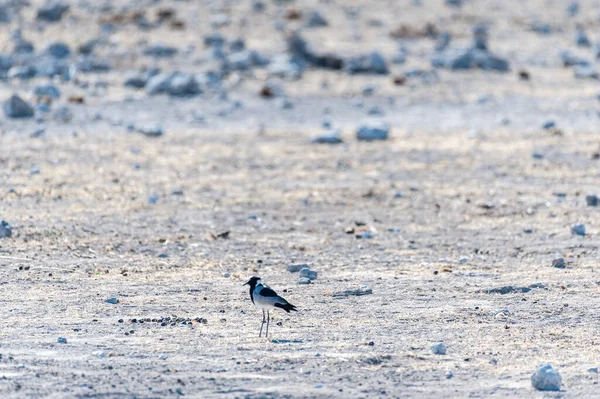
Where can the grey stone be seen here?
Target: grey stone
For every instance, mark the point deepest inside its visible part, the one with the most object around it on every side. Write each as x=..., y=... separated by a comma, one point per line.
x=303, y=280
x=150, y=130
x=21, y=72
x=312, y=275
x=258, y=6
x=591, y=200
x=559, y=263
x=367, y=63
x=58, y=50
x=160, y=51
x=568, y=59
x=5, y=229
x=593, y=370
x=470, y=59
x=364, y=290
x=304, y=272
x=15, y=107
x=549, y=125
x=4, y=14
x=438, y=349
x=159, y=83
x=244, y=60
x=90, y=63
x=23, y=46
x=542, y=28
x=6, y=62
x=237, y=45
x=112, y=301
x=63, y=114
x=545, y=378
x=373, y=130
x=214, y=40
x=585, y=72
x=61, y=340
x=443, y=41
x=34, y=171
x=328, y=137
x=578, y=229
x=581, y=39
x=511, y=289
x=47, y=91
x=296, y=267
x=182, y=84
x=315, y=20
x=284, y=66
x=453, y=3
x=52, y=11
x=449, y=374
x=302, y=52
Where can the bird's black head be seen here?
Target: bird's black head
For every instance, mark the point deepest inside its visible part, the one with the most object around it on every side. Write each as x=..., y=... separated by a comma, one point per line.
x=253, y=281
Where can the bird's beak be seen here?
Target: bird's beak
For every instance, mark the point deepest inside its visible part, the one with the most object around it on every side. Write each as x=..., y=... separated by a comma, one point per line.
x=246, y=283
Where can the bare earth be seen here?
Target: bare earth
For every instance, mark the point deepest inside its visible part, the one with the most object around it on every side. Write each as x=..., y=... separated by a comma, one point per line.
x=455, y=201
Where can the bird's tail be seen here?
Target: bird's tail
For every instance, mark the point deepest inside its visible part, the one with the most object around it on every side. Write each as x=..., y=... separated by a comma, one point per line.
x=287, y=307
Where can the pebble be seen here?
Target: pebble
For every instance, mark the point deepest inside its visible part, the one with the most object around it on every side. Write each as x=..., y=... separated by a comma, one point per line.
x=545, y=378
x=153, y=199
x=5, y=229
x=160, y=51
x=438, y=349
x=328, y=137
x=150, y=130
x=53, y=11
x=46, y=91
x=549, y=125
x=58, y=50
x=303, y=280
x=581, y=38
x=374, y=130
x=296, y=267
x=559, y=263
x=578, y=229
x=112, y=301
x=61, y=340
x=34, y=171
x=449, y=374
x=315, y=20
x=367, y=63
x=463, y=259
x=364, y=290
x=16, y=107
x=591, y=200
x=593, y=370
x=162, y=356
x=99, y=354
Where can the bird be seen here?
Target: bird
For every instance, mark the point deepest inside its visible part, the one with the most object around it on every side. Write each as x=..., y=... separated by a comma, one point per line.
x=263, y=297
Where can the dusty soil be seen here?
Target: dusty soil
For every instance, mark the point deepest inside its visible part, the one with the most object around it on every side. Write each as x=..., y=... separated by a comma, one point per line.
x=455, y=200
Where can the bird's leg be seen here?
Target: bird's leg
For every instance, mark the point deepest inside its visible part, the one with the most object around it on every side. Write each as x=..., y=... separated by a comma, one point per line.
x=262, y=324
x=268, y=320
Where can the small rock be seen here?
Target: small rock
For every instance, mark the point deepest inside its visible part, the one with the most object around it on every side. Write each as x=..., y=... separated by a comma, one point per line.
x=549, y=125
x=53, y=11
x=581, y=38
x=328, y=137
x=545, y=378
x=312, y=275
x=303, y=280
x=593, y=370
x=449, y=374
x=34, y=171
x=150, y=130
x=364, y=290
x=46, y=91
x=569, y=60
x=438, y=349
x=572, y=9
x=367, y=63
x=5, y=229
x=304, y=272
x=99, y=354
x=463, y=259
x=153, y=199
x=112, y=301
x=443, y=41
x=58, y=50
x=559, y=263
x=540, y=27
x=591, y=200
x=162, y=356
x=374, y=130
x=315, y=20
x=585, y=72
x=160, y=51
x=296, y=267
x=21, y=72
x=578, y=229
x=15, y=107
x=61, y=340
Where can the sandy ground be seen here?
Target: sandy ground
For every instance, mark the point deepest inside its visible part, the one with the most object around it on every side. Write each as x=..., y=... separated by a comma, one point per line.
x=455, y=200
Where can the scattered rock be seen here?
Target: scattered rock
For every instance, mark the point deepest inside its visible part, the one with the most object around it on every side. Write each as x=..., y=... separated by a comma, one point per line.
x=53, y=11
x=296, y=267
x=578, y=229
x=585, y=72
x=591, y=200
x=307, y=272
x=569, y=60
x=542, y=28
x=46, y=91
x=160, y=51
x=364, y=290
x=15, y=107
x=99, y=354
x=549, y=125
x=5, y=229
x=315, y=20
x=329, y=137
x=581, y=38
x=112, y=301
x=58, y=50
x=303, y=280
x=545, y=378
x=449, y=374
x=438, y=349
x=559, y=263
x=301, y=52
x=368, y=63
x=373, y=130
x=593, y=370
x=61, y=340
x=182, y=84
x=512, y=289
x=284, y=66
x=470, y=59
x=152, y=200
